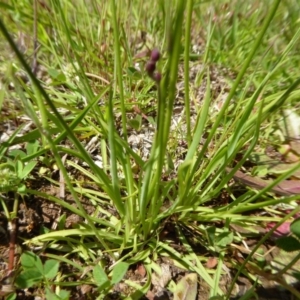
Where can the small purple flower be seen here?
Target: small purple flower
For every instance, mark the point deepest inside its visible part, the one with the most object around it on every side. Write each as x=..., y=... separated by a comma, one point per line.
x=155, y=55
x=157, y=77
x=150, y=67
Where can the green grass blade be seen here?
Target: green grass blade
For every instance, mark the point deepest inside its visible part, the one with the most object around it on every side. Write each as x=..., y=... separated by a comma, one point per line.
x=186, y=69
x=113, y=159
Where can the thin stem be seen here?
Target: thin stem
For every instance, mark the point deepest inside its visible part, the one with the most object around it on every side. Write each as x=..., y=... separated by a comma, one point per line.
x=186, y=69
x=118, y=67
x=130, y=204
x=35, y=43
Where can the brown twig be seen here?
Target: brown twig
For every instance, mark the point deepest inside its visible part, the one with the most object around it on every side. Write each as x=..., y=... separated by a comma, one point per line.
x=12, y=229
x=284, y=188
x=8, y=284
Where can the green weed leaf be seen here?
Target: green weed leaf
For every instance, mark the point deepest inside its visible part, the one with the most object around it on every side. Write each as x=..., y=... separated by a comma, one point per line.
x=211, y=231
x=51, y=295
x=17, y=153
x=51, y=268
x=32, y=147
x=118, y=272
x=296, y=275
x=133, y=73
x=31, y=261
x=12, y=296
x=223, y=239
x=295, y=228
x=21, y=188
x=29, y=278
x=27, y=169
x=19, y=168
x=136, y=122
x=64, y=295
x=57, y=75
x=288, y=243
x=100, y=276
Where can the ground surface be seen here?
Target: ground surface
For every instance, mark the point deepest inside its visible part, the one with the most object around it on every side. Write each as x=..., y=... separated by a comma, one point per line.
x=36, y=213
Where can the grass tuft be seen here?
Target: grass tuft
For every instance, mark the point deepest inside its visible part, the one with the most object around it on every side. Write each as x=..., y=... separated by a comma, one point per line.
x=165, y=135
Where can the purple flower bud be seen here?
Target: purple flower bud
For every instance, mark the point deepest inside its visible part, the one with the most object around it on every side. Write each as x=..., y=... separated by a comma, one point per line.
x=155, y=55
x=157, y=77
x=150, y=67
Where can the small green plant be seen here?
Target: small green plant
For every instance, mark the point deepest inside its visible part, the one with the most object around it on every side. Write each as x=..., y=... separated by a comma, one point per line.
x=291, y=242
x=105, y=282
x=218, y=239
x=13, y=171
x=35, y=273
